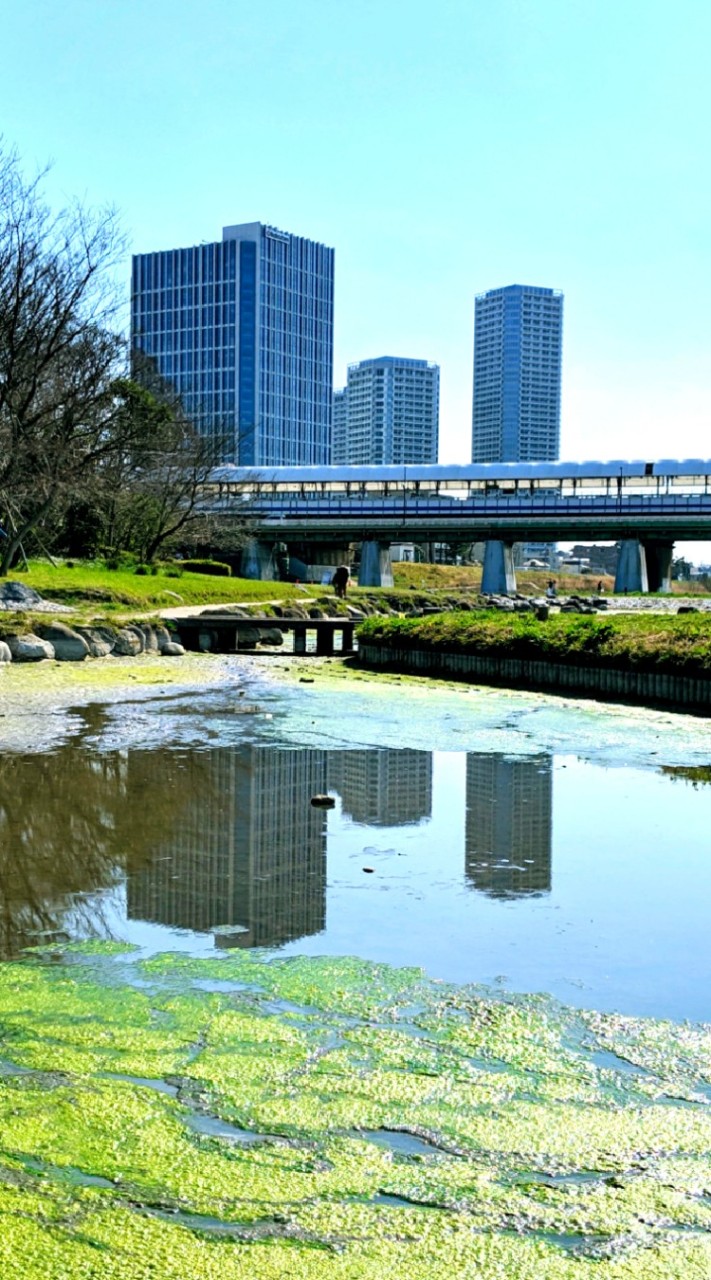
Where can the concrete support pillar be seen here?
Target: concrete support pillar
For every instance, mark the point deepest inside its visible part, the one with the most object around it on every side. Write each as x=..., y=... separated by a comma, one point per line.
x=258, y=561
x=498, y=577
x=631, y=567
x=376, y=568
x=659, y=559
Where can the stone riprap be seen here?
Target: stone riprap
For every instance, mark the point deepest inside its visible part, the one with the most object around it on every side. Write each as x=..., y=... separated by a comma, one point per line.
x=67, y=644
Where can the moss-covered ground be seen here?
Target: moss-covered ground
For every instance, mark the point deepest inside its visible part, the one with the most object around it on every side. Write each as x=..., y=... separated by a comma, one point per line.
x=252, y=1118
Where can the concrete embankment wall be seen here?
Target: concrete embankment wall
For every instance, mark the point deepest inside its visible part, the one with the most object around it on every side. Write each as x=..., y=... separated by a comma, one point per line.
x=682, y=693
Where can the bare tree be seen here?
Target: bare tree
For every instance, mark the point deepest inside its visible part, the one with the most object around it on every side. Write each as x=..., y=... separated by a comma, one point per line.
x=155, y=482
x=59, y=351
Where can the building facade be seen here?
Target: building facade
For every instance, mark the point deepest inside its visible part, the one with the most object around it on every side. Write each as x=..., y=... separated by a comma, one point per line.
x=242, y=330
x=518, y=337
x=387, y=413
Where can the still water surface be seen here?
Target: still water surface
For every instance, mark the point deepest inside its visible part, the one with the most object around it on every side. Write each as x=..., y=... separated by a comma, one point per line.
x=515, y=839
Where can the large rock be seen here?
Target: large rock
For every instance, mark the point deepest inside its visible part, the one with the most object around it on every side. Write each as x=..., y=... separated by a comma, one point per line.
x=128, y=642
x=248, y=637
x=29, y=648
x=163, y=637
x=270, y=635
x=137, y=630
x=68, y=645
x=5, y=655
x=149, y=637
x=15, y=595
x=99, y=640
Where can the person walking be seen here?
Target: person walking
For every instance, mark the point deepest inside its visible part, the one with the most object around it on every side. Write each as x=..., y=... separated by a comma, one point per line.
x=340, y=581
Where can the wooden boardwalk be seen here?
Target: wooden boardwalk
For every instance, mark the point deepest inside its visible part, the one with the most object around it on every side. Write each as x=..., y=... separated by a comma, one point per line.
x=227, y=633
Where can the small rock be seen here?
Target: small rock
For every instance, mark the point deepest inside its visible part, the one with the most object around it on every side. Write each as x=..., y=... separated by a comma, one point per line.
x=5, y=654
x=369, y=870
x=172, y=650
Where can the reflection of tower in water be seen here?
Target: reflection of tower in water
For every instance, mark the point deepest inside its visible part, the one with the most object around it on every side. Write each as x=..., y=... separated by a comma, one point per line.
x=250, y=856
x=509, y=824
x=383, y=788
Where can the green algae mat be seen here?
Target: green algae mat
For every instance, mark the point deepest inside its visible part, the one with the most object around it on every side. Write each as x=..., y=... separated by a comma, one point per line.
x=249, y=1117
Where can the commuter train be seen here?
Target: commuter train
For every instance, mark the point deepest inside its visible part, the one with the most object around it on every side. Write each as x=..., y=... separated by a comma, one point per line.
x=505, y=479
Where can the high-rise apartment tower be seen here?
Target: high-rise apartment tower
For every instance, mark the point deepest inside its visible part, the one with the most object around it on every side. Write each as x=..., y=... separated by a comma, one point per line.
x=387, y=413
x=518, y=336
x=242, y=329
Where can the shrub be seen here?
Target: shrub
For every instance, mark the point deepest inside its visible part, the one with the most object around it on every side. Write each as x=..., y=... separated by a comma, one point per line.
x=214, y=567
x=119, y=559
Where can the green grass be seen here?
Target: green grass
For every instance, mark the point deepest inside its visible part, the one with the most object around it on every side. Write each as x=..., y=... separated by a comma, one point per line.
x=467, y=577
x=116, y=590
x=666, y=643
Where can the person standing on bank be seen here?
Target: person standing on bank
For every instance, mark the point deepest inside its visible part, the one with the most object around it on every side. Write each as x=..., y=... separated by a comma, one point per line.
x=340, y=580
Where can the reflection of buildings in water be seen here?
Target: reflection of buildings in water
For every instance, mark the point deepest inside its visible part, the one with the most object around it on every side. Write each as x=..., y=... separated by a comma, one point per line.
x=251, y=853
x=383, y=788
x=509, y=824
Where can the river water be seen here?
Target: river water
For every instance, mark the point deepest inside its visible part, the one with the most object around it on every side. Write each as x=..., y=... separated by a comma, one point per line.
x=511, y=839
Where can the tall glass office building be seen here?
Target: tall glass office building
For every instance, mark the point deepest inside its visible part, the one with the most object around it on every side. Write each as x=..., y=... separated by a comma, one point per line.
x=518, y=338
x=243, y=330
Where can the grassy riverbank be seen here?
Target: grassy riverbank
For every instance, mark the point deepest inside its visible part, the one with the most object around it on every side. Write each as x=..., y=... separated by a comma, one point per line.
x=653, y=643
x=467, y=577
x=236, y=1118
x=90, y=585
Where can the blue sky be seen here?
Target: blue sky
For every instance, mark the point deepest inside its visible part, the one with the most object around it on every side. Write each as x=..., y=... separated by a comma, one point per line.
x=443, y=149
